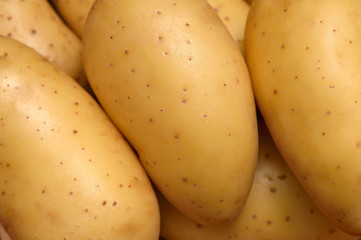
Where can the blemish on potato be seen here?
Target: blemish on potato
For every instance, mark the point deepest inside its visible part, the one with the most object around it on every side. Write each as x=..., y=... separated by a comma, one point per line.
x=269, y=222
x=275, y=91
x=273, y=190
x=75, y=131
x=254, y=216
x=287, y=218
x=104, y=203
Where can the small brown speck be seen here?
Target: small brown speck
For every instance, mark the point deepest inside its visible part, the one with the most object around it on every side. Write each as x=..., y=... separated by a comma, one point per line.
x=287, y=218
x=254, y=216
x=185, y=180
x=275, y=91
x=114, y=203
x=273, y=190
x=75, y=131
x=33, y=31
x=104, y=203
x=269, y=222
x=199, y=225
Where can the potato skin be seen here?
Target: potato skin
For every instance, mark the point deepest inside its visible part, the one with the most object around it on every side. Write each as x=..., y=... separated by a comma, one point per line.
x=36, y=24
x=74, y=13
x=277, y=208
x=65, y=170
x=233, y=14
x=171, y=77
x=304, y=59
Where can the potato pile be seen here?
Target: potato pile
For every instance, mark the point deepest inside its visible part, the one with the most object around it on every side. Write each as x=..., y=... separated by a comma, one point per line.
x=180, y=119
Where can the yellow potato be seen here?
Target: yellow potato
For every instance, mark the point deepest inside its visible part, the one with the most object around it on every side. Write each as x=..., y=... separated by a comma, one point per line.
x=277, y=208
x=74, y=13
x=36, y=24
x=233, y=14
x=304, y=59
x=65, y=170
x=171, y=77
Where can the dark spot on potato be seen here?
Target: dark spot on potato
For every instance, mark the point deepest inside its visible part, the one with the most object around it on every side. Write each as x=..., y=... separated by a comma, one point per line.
x=269, y=222
x=75, y=131
x=185, y=180
x=254, y=216
x=104, y=203
x=114, y=203
x=287, y=218
x=273, y=190
x=275, y=91
x=199, y=225
x=282, y=177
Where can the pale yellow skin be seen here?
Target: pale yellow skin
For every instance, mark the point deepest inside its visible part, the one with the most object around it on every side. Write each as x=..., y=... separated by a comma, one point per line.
x=36, y=24
x=304, y=58
x=233, y=14
x=277, y=208
x=171, y=77
x=74, y=13
x=65, y=170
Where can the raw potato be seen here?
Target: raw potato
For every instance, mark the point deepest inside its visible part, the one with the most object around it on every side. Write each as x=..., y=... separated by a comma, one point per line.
x=36, y=24
x=171, y=77
x=277, y=208
x=304, y=58
x=3, y=234
x=74, y=12
x=65, y=170
x=233, y=14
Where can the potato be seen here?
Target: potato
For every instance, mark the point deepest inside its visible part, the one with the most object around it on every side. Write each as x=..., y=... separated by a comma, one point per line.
x=65, y=170
x=277, y=208
x=173, y=80
x=36, y=24
x=3, y=234
x=74, y=13
x=304, y=60
x=233, y=13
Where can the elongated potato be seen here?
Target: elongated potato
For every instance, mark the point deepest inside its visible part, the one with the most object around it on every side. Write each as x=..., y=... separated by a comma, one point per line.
x=74, y=12
x=304, y=58
x=233, y=14
x=36, y=24
x=65, y=170
x=171, y=77
x=277, y=208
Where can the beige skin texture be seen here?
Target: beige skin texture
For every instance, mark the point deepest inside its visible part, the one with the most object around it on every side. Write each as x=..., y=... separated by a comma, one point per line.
x=65, y=170
x=74, y=13
x=233, y=14
x=171, y=77
x=304, y=58
x=277, y=208
x=36, y=24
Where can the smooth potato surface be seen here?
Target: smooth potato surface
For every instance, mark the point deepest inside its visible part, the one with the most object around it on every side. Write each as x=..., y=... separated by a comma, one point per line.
x=65, y=170
x=171, y=77
x=304, y=59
